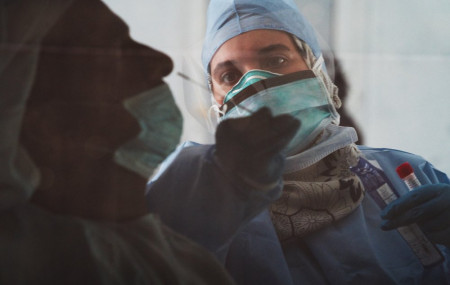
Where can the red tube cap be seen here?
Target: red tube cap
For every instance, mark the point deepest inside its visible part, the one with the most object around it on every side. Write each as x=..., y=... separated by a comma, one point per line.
x=404, y=170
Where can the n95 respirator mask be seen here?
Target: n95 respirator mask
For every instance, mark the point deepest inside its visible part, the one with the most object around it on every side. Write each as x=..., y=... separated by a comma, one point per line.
x=301, y=94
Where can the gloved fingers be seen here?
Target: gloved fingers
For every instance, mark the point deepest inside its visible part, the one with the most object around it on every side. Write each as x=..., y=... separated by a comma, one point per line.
x=254, y=123
x=414, y=215
x=253, y=144
x=409, y=209
x=261, y=128
x=261, y=114
x=412, y=199
x=440, y=237
x=236, y=127
x=421, y=213
x=437, y=223
x=281, y=131
x=245, y=130
x=266, y=169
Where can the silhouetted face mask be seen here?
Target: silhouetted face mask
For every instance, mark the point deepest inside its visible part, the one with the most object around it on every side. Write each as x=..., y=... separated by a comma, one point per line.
x=161, y=124
x=300, y=94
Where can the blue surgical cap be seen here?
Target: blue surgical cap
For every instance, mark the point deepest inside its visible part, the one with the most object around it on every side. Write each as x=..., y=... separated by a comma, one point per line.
x=229, y=18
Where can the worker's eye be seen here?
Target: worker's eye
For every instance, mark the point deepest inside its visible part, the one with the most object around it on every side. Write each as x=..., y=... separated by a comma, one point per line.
x=274, y=62
x=230, y=78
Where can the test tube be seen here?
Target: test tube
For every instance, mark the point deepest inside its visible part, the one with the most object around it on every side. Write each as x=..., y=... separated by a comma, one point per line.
x=425, y=250
x=406, y=173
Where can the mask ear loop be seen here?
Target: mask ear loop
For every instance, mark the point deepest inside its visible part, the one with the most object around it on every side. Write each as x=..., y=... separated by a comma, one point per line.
x=218, y=114
x=318, y=64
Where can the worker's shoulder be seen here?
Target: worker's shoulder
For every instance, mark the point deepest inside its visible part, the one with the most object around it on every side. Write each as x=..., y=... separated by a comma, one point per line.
x=389, y=159
x=367, y=150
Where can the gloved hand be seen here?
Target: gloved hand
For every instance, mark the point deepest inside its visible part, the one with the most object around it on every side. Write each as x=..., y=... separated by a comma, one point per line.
x=251, y=147
x=428, y=206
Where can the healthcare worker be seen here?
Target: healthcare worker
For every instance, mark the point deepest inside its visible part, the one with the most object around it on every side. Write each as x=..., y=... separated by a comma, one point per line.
x=281, y=202
x=72, y=118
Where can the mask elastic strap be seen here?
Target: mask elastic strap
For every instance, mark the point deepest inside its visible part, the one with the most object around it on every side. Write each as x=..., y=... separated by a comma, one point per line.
x=330, y=86
x=318, y=64
x=218, y=113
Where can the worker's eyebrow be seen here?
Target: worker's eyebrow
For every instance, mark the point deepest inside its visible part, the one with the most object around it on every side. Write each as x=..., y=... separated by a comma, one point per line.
x=222, y=65
x=274, y=47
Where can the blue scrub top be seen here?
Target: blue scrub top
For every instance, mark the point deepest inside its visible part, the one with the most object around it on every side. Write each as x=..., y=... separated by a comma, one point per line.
x=353, y=250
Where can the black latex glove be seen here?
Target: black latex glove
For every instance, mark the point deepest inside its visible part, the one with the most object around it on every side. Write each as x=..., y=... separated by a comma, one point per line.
x=252, y=147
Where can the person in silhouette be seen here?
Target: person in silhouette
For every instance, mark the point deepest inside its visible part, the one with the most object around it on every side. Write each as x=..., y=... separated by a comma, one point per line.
x=85, y=117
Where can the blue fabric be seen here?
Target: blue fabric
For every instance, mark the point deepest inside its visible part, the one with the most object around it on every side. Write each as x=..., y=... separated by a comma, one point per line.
x=229, y=18
x=194, y=197
x=237, y=227
x=255, y=256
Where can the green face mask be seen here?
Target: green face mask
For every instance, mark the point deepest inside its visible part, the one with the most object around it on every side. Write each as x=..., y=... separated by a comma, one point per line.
x=161, y=126
x=300, y=94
